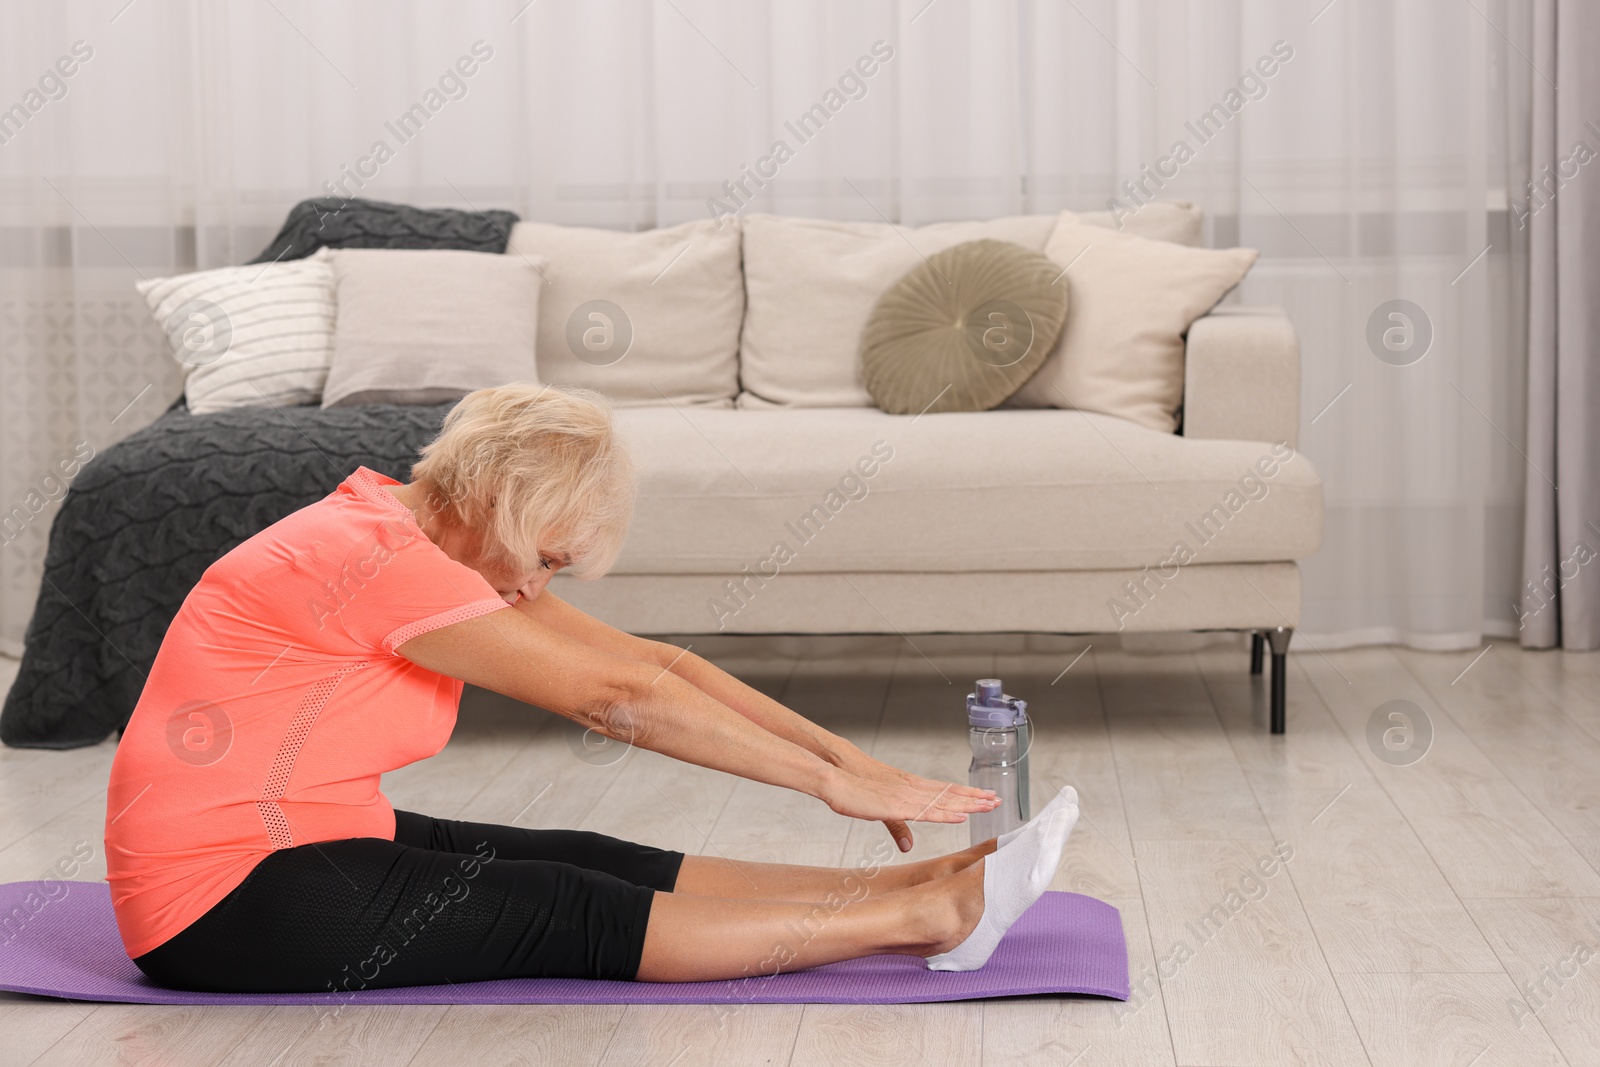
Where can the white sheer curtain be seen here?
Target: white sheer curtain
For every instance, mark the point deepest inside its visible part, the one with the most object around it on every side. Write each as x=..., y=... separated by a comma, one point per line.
x=1371, y=165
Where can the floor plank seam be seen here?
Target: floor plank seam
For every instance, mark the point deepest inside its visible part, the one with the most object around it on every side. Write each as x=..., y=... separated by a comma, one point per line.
x=1316, y=938
x=1509, y=780
x=1406, y=818
x=1138, y=873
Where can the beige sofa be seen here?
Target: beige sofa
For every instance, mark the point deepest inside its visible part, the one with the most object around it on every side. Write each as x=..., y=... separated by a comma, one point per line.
x=776, y=499
x=850, y=520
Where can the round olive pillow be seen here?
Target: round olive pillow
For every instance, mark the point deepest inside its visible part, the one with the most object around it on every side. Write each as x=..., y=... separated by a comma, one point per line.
x=964, y=330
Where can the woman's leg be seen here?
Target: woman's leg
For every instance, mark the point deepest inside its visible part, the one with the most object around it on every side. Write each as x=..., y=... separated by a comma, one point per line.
x=707, y=876
x=957, y=921
x=340, y=916
x=364, y=912
x=711, y=876
x=691, y=938
x=653, y=868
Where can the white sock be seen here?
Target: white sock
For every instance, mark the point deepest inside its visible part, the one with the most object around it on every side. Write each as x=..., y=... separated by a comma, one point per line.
x=1068, y=795
x=1014, y=876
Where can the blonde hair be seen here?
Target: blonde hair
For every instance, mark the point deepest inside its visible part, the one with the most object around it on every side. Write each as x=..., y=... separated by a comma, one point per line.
x=524, y=463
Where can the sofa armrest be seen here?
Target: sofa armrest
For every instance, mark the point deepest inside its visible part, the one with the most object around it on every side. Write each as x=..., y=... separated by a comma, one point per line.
x=1241, y=378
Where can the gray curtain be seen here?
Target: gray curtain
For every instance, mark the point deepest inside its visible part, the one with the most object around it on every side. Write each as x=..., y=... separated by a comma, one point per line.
x=1561, y=210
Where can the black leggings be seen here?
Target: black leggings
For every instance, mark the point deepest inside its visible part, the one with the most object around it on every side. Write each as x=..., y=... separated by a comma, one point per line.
x=443, y=902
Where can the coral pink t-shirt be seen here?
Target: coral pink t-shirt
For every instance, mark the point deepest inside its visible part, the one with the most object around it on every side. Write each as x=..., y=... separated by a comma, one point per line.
x=277, y=700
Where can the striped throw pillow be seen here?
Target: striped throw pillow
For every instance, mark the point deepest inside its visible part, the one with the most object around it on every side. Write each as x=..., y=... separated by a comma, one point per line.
x=258, y=334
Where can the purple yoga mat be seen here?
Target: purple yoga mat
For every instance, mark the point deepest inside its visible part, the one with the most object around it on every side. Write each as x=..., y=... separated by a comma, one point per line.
x=1066, y=943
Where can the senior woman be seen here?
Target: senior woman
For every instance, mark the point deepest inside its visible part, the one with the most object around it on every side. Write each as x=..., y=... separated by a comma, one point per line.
x=249, y=848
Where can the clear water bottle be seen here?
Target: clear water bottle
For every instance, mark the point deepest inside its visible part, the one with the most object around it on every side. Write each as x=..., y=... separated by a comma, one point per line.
x=1000, y=735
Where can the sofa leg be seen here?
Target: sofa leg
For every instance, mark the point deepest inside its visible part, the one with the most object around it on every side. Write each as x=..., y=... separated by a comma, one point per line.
x=1280, y=673
x=1258, y=644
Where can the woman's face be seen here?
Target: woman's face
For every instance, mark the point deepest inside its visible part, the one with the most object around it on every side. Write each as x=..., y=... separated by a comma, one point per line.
x=467, y=547
x=529, y=584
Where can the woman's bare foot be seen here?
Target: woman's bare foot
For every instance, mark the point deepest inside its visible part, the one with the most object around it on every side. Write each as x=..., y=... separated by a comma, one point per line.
x=957, y=907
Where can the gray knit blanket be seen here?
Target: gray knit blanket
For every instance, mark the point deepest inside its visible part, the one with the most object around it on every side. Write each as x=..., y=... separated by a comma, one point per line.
x=332, y=222
x=147, y=516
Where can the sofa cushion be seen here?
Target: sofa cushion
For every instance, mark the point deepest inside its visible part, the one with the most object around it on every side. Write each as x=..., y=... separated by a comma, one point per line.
x=860, y=490
x=426, y=326
x=645, y=318
x=811, y=285
x=246, y=336
x=964, y=330
x=1133, y=300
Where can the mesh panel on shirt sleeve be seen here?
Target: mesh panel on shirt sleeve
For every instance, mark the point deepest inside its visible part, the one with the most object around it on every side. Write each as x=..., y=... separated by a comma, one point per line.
x=444, y=618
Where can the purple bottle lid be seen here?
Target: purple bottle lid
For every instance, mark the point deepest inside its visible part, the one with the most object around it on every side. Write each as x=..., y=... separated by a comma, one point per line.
x=991, y=708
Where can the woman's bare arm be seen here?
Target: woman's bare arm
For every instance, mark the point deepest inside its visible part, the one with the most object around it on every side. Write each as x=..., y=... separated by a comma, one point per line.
x=646, y=705
x=730, y=691
x=708, y=678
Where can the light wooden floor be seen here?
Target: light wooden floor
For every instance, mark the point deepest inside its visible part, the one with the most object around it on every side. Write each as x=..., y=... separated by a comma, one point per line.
x=1420, y=910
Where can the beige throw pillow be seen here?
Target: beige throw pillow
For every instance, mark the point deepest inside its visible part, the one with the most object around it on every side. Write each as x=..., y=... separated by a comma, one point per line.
x=645, y=318
x=812, y=284
x=964, y=330
x=1132, y=300
x=426, y=326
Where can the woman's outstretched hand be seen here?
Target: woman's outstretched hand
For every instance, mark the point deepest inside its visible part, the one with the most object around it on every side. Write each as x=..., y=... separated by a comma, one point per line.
x=866, y=788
